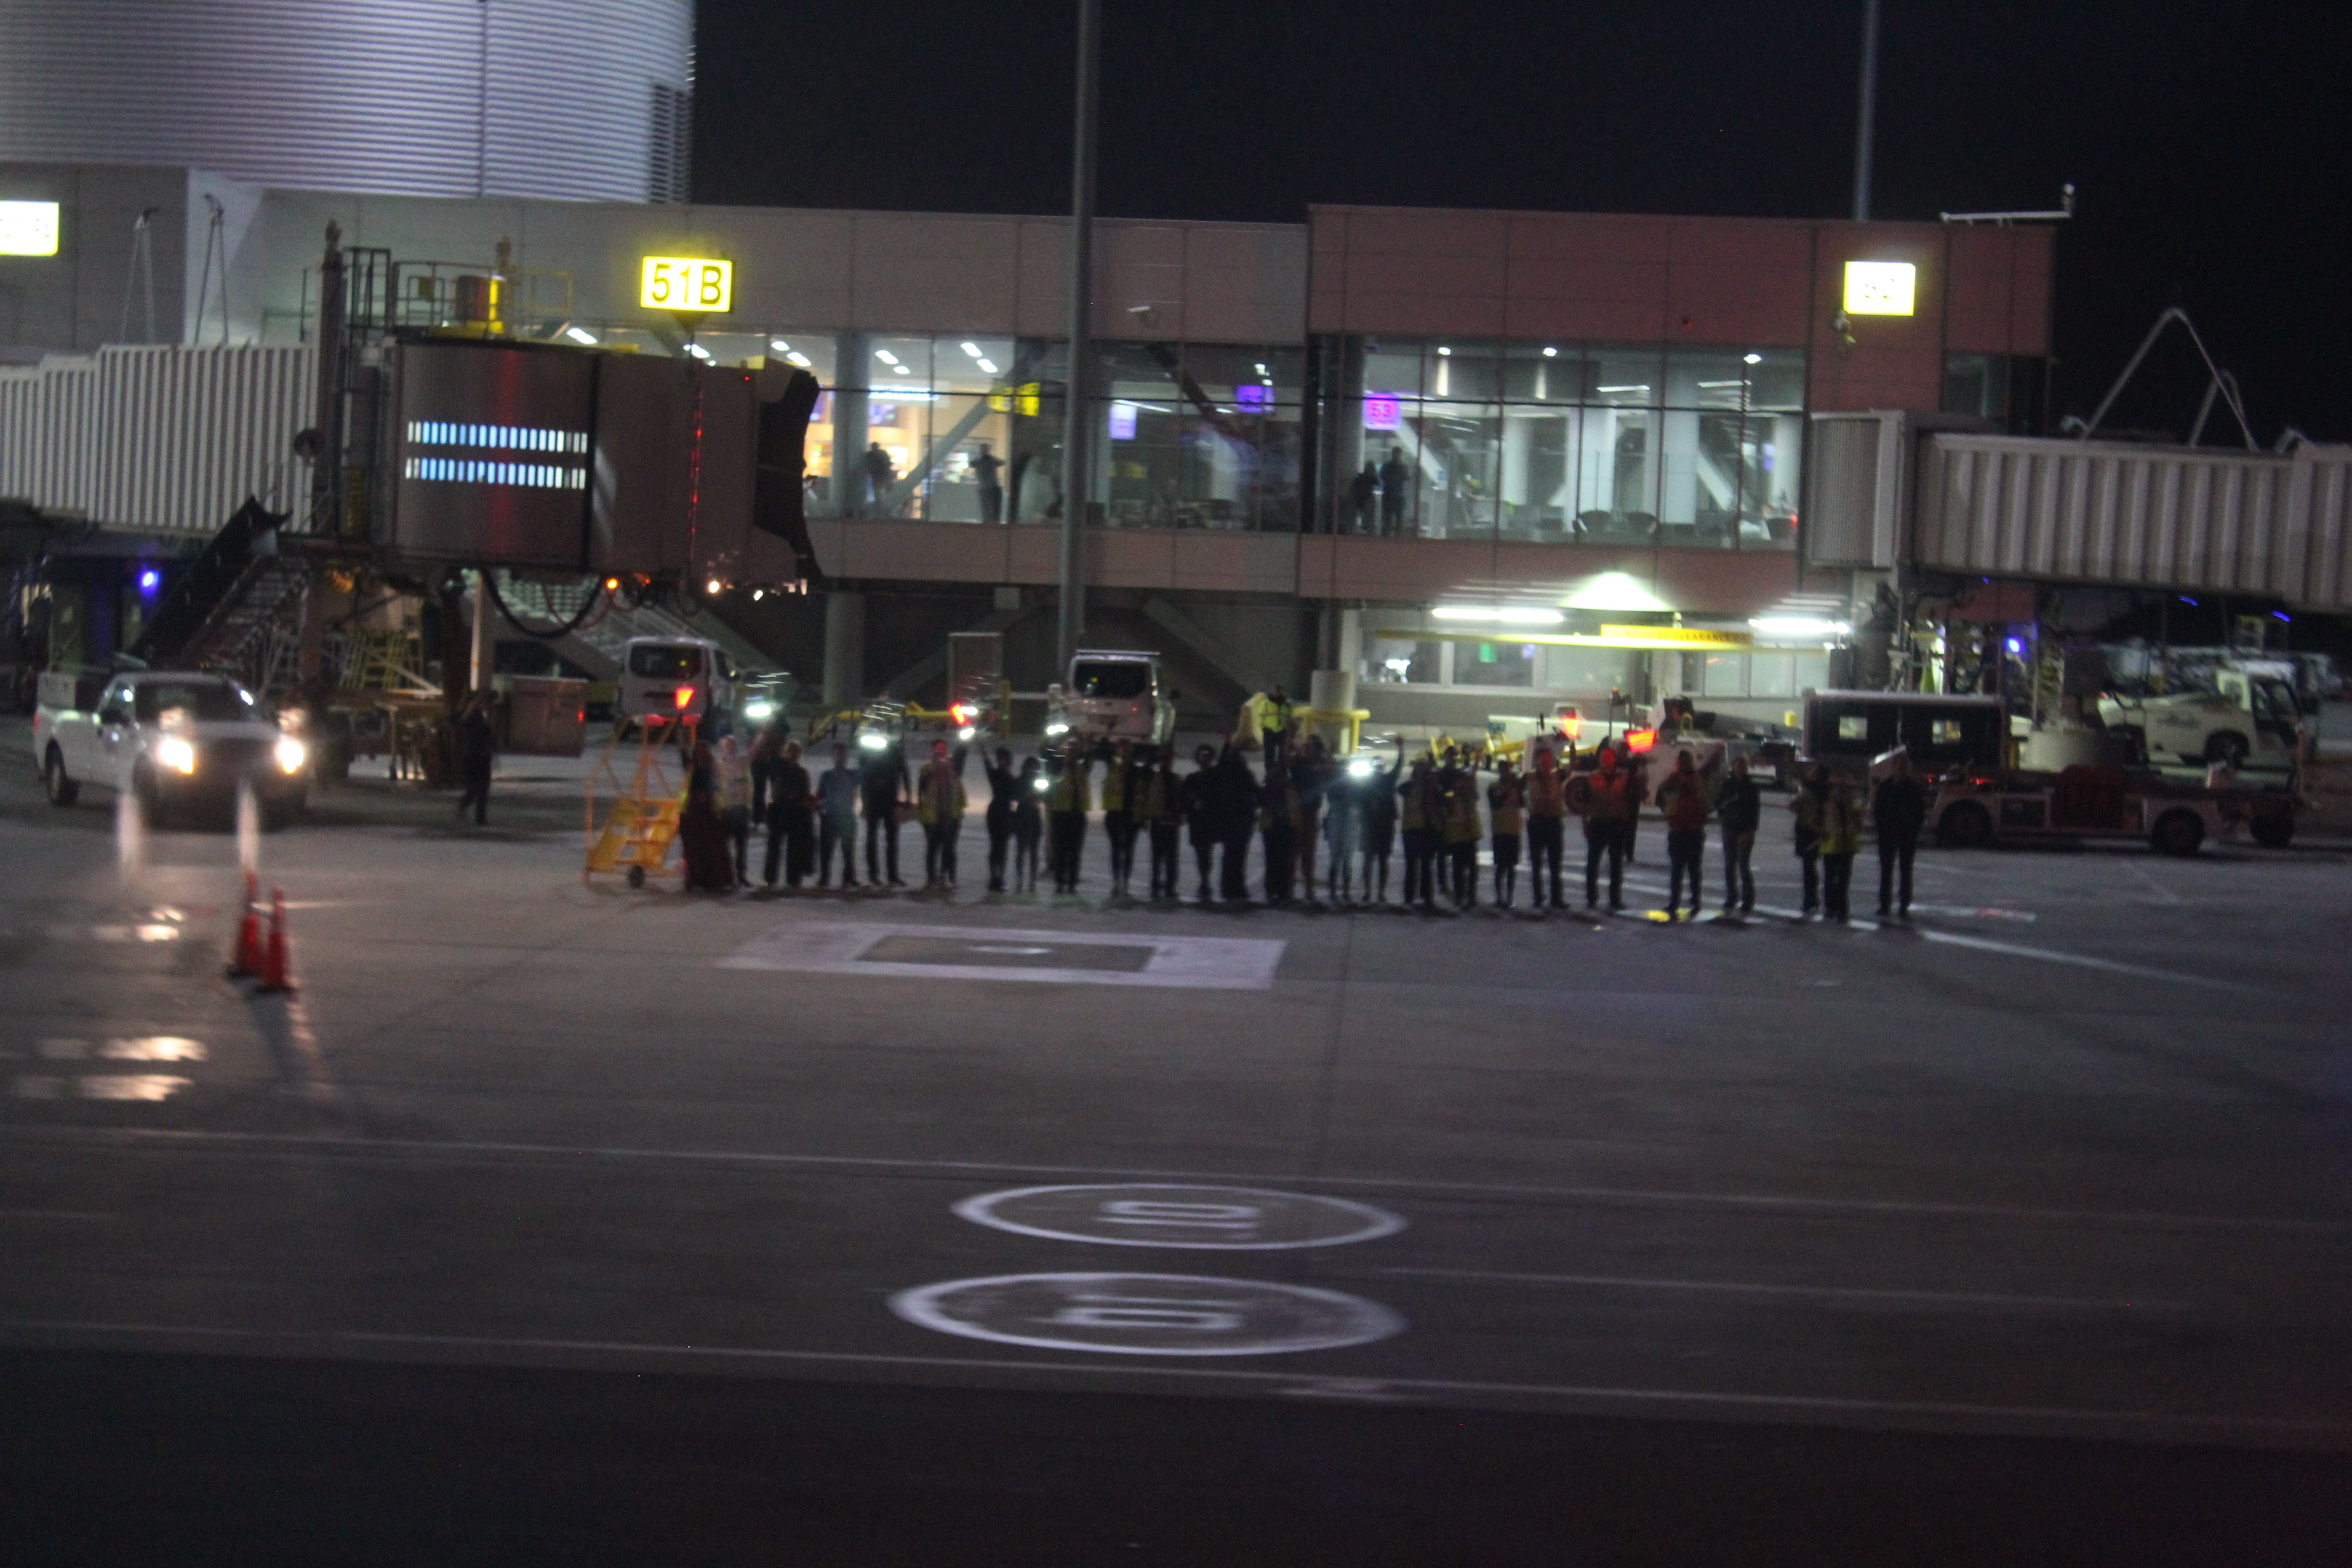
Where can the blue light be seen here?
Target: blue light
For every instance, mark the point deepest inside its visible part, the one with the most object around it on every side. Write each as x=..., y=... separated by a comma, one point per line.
x=2015, y=646
x=2282, y=615
x=149, y=580
x=2187, y=600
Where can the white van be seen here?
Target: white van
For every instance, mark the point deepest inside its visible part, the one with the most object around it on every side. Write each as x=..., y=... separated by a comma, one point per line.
x=1112, y=694
x=669, y=676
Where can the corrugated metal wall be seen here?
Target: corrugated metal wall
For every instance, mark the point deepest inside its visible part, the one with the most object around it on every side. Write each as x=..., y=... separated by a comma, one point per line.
x=547, y=98
x=157, y=437
x=2109, y=512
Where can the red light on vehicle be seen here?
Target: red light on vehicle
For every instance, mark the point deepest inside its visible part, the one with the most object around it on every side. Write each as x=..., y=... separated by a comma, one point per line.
x=959, y=712
x=1572, y=725
x=1639, y=740
x=684, y=698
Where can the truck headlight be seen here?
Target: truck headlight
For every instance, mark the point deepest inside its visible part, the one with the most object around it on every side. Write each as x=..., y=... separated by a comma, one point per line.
x=758, y=710
x=177, y=754
x=965, y=733
x=1360, y=768
x=1057, y=729
x=291, y=754
x=872, y=742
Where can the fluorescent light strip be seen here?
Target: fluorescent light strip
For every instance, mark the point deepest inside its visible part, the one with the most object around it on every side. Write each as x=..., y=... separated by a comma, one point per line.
x=1500, y=615
x=474, y=471
x=511, y=438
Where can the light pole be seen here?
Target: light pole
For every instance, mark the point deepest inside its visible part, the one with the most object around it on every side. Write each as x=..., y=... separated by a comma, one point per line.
x=1866, y=129
x=1077, y=425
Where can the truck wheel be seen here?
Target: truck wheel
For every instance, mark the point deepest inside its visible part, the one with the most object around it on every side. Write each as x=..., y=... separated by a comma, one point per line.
x=2228, y=748
x=63, y=790
x=2177, y=833
x=1966, y=826
x=636, y=876
x=2275, y=831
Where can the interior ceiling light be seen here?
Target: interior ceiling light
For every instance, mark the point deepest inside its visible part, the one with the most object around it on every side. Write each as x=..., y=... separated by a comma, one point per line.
x=1445, y=351
x=780, y=346
x=885, y=356
x=988, y=366
x=799, y=359
x=1500, y=615
x=901, y=369
x=580, y=335
x=971, y=349
x=1615, y=590
x=1755, y=359
x=698, y=350
x=1551, y=353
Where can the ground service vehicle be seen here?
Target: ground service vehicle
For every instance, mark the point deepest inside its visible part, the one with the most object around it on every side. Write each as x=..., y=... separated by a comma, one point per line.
x=671, y=678
x=2249, y=719
x=172, y=739
x=1972, y=809
x=1845, y=730
x=1112, y=695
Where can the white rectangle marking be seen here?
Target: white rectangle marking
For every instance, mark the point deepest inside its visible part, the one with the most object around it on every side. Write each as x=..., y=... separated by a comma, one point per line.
x=830, y=947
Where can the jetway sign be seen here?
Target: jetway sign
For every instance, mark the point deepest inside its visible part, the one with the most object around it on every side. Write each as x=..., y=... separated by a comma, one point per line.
x=694, y=285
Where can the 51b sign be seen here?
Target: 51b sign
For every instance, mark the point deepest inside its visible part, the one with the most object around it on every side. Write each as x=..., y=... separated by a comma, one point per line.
x=687, y=283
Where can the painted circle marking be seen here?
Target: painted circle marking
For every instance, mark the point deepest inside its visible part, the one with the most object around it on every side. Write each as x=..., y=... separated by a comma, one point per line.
x=1146, y=1314
x=1146, y=1214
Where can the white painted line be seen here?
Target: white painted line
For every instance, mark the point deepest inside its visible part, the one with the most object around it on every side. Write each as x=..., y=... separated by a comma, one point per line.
x=839, y=947
x=2016, y=949
x=271, y=1143
x=2159, y=889
x=2292, y=1432
x=1733, y=1287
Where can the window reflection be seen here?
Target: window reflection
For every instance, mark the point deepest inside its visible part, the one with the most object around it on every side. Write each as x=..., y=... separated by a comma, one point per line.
x=1564, y=442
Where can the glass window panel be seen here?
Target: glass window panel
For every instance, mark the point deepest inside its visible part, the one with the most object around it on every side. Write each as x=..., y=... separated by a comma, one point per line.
x=1535, y=477
x=1723, y=675
x=1772, y=675
x=1776, y=380
x=1625, y=377
x=968, y=483
x=1458, y=461
x=1392, y=365
x=974, y=364
x=1392, y=662
x=1705, y=378
x=1494, y=664
x=1545, y=373
x=1812, y=672
x=1772, y=450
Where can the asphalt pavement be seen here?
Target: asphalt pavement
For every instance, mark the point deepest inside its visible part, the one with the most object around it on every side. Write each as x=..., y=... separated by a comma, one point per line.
x=1020, y=1222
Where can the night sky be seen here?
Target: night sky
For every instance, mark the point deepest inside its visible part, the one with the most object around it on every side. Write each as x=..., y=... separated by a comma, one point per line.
x=2208, y=141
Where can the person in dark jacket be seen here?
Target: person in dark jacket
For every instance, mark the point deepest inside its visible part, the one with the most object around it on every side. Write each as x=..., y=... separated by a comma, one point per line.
x=1004, y=791
x=1546, y=791
x=791, y=818
x=1685, y=799
x=1277, y=819
x=1422, y=800
x=1377, y=811
x=1235, y=791
x=1028, y=824
x=477, y=750
x=1812, y=807
x=1739, y=807
x=882, y=787
x=1900, y=810
x=1197, y=799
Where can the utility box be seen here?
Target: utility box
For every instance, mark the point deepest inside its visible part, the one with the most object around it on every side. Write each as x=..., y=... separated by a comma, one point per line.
x=546, y=716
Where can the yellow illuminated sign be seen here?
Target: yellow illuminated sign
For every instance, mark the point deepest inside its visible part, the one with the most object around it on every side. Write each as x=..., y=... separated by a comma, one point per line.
x=689, y=283
x=28, y=228
x=1880, y=288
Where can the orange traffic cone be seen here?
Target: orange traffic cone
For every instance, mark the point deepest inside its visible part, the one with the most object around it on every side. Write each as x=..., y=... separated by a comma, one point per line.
x=246, y=959
x=273, y=969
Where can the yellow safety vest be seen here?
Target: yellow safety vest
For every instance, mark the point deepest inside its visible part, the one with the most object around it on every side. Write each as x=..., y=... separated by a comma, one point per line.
x=1073, y=791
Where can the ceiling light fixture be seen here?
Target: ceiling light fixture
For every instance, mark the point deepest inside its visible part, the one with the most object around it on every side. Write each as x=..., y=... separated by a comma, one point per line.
x=1500, y=615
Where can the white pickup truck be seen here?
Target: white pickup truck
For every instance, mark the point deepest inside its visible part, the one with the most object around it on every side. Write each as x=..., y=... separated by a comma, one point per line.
x=173, y=738
x=2249, y=719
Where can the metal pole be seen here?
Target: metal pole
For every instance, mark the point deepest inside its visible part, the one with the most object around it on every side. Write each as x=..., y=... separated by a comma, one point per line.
x=1077, y=425
x=1866, y=129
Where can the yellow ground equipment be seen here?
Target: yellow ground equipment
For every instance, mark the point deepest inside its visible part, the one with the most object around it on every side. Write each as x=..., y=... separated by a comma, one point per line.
x=642, y=825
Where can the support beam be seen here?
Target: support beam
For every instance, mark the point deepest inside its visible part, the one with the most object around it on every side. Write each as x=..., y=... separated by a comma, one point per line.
x=1077, y=423
x=845, y=650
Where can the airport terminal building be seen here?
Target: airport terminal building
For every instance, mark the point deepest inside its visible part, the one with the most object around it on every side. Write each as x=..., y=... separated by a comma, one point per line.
x=1441, y=449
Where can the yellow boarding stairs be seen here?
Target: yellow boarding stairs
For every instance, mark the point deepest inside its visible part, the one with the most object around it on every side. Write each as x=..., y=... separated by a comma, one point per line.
x=638, y=831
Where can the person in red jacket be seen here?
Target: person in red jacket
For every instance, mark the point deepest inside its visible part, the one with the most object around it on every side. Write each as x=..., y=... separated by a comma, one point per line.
x=1607, y=798
x=1687, y=799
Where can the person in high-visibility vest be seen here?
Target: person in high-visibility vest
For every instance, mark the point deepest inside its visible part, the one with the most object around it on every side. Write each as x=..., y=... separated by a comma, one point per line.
x=1122, y=782
x=940, y=801
x=1066, y=805
x=1422, y=813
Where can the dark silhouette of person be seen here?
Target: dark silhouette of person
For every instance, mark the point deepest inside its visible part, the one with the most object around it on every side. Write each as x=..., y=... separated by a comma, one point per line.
x=1396, y=483
x=985, y=465
x=1361, y=489
x=879, y=474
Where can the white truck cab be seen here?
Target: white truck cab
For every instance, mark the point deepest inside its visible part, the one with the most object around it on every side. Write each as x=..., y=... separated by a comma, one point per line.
x=670, y=678
x=2249, y=717
x=170, y=738
x=1112, y=694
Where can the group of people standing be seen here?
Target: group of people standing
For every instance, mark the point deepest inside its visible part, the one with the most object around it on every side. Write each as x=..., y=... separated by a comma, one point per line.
x=1306, y=810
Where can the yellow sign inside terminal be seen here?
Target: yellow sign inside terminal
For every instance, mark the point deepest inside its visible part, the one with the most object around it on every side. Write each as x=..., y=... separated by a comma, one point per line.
x=28, y=228
x=692, y=284
x=1880, y=288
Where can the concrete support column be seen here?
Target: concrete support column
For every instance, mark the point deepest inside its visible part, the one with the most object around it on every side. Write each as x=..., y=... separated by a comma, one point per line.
x=484, y=661
x=844, y=650
x=853, y=366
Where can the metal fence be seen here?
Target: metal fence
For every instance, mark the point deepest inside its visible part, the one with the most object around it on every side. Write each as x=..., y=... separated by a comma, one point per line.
x=158, y=438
